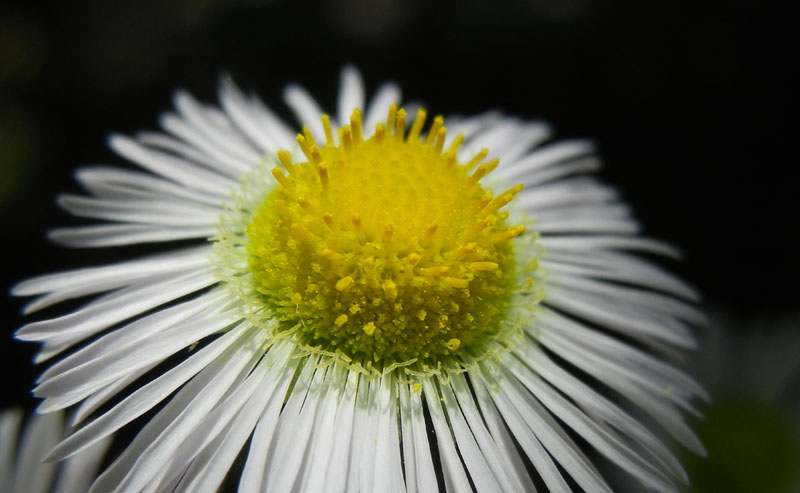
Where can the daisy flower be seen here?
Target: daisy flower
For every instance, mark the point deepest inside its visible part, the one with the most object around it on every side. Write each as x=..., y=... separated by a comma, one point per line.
x=21, y=467
x=358, y=283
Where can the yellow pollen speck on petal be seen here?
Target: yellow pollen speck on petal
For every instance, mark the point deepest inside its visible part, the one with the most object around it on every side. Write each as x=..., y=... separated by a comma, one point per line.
x=394, y=230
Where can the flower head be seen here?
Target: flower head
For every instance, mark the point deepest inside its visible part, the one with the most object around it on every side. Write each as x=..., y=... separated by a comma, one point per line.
x=365, y=275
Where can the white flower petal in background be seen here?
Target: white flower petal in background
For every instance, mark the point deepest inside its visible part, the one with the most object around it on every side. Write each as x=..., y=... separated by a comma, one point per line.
x=587, y=328
x=23, y=449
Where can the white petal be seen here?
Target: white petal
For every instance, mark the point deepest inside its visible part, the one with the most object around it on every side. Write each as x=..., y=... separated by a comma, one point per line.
x=147, y=396
x=589, y=245
x=342, y=440
x=106, y=235
x=138, y=330
x=212, y=132
x=171, y=167
x=351, y=94
x=305, y=109
x=294, y=428
x=604, y=442
x=211, y=465
x=387, y=473
x=125, y=184
x=162, y=443
x=78, y=383
x=599, y=407
x=10, y=422
x=40, y=434
x=325, y=432
x=487, y=390
x=384, y=97
x=78, y=472
x=493, y=453
x=474, y=458
x=255, y=119
x=252, y=477
x=454, y=472
x=116, y=307
x=558, y=444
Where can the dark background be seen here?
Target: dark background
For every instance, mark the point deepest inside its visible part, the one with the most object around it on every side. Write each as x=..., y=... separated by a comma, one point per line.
x=689, y=103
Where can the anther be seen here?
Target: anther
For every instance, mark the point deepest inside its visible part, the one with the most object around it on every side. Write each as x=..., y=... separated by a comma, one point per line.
x=379, y=133
x=355, y=124
x=391, y=117
x=483, y=170
x=326, y=125
x=400, y=124
x=416, y=127
x=506, y=234
x=440, y=136
x=478, y=158
x=434, y=131
x=285, y=182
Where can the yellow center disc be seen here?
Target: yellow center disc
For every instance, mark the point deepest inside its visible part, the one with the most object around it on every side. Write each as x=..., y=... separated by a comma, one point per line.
x=385, y=250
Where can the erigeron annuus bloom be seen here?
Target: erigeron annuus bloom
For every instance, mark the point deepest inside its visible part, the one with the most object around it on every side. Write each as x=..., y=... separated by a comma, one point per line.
x=22, y=450
x=365, y=279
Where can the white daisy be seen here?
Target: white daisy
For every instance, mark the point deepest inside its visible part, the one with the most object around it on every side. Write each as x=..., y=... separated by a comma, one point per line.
x=21, y=467
x=355, y=287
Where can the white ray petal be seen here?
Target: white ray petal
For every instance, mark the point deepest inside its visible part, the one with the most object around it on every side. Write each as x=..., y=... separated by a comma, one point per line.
x=616, y=266
x=351, y=94
x=107, y=235
x=453, y=469
x=563, y=193
x=40, y=434
x=209, y=469
x=140, y=329
x=114, y=275
x=210, y=127
x=322, y=445
x=590, y=244
x=78, y=472
x=550, y=155
x=478, y=467
x=78, y=383
x=155, y=212
x=626, y=320
x=558, y=444
x=171, y=167
x=305, y=109
x=116, y=183
x=600, y=407
x=264, y=129
x=147, y=396
x=163, y=442
x=336, y=479
x=492, y=453
x=387, y=473
x=10, y=421
x=486, y=388
x=613, y=294
x=261, y=442
x=507, y=449
x=285, y=460
x=378, y=108
x=602, y=440
x=116, y=307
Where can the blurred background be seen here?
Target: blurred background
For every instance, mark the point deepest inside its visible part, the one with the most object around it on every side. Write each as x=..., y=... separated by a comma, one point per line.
x=688, y=102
